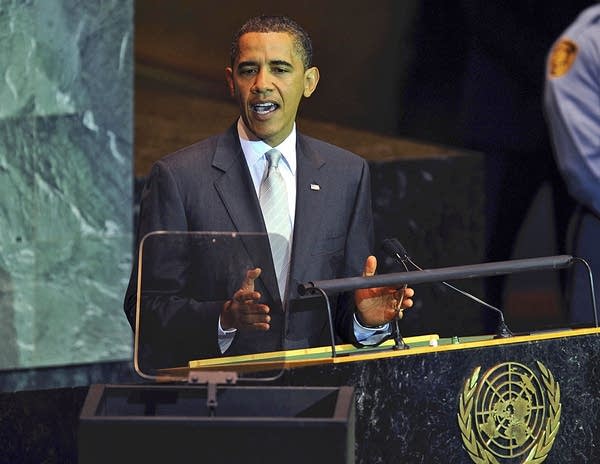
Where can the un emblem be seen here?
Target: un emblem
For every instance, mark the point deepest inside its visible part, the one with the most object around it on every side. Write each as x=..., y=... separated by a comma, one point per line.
x=509, y=415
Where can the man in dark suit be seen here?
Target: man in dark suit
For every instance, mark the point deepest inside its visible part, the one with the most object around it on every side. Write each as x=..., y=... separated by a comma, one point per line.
x=218, y=185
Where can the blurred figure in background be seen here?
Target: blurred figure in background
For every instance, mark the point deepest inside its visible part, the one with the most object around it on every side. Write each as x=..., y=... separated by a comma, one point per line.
x=572, y=109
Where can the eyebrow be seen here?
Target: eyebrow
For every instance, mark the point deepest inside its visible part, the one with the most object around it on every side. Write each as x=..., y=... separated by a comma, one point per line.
x=242, y=64
x=280, y=63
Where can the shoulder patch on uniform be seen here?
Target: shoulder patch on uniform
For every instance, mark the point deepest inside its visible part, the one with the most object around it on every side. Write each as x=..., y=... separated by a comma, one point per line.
x=562, y=57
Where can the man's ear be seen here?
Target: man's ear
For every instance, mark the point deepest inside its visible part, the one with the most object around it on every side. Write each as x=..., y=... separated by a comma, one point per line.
x=229, y=78
x=311, y=79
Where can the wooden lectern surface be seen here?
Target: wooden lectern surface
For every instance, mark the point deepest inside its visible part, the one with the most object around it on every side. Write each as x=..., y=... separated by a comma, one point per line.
x=418, y=345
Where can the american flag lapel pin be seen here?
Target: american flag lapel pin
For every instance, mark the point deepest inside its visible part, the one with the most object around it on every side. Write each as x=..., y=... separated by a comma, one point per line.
x=315, y=187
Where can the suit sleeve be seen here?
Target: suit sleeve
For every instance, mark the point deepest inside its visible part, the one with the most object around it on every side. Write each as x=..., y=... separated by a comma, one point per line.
x=359, y=245
x=174, y=326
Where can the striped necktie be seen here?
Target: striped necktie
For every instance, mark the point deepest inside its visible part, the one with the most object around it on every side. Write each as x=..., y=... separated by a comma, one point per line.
x=274, y=204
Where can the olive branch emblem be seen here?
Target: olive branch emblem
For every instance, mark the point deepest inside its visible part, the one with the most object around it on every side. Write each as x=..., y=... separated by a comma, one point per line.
x=478, y=451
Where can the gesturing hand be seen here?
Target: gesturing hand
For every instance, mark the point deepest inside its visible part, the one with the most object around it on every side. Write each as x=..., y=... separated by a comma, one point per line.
x=243, y=312
x=379, y=305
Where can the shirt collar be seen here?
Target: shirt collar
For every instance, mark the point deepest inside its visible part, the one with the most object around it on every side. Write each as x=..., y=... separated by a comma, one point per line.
x=254, y=150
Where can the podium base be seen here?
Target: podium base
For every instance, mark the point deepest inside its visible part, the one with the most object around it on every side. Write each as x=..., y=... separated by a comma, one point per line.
x=166, y=423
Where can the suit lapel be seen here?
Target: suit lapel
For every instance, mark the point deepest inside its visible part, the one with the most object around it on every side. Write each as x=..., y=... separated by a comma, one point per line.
x=309, y=181
x=235, y=185
x=237, y=193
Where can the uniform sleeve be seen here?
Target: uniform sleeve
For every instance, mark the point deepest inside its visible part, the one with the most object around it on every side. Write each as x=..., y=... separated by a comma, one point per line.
x=572, y=110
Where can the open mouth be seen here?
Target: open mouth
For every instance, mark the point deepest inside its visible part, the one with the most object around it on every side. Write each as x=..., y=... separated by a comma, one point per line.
x=264, y=108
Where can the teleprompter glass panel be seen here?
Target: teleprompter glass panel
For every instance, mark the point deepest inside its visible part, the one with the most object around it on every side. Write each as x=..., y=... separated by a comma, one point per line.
x=185, y=280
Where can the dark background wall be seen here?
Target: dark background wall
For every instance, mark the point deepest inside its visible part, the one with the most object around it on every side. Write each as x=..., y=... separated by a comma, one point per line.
x=363, y=50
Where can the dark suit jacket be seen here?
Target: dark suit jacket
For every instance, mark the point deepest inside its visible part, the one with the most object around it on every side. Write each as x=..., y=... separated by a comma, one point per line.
x=207, y=187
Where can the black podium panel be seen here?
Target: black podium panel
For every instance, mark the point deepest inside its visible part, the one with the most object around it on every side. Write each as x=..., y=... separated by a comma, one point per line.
x=408, y=408
x=173, y=423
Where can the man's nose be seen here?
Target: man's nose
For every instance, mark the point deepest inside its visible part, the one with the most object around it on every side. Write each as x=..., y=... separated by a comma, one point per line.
x=261, y=82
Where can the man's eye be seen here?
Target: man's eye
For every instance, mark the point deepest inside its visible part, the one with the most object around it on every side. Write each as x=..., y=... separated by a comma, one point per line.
x=279, y=70
x=247, y=71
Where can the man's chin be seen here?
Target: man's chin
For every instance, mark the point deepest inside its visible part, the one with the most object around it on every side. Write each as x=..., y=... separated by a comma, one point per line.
x=270, y=137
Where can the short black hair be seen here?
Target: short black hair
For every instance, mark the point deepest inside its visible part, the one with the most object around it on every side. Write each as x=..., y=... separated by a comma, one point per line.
x=266, y=23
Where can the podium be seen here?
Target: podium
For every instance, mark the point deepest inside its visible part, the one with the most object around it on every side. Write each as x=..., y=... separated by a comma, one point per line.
x=420, y=405
x=439, y=401
x=484, y=399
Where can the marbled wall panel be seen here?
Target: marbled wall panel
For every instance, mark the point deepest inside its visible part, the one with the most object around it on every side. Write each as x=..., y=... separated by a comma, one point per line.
x=65, y=181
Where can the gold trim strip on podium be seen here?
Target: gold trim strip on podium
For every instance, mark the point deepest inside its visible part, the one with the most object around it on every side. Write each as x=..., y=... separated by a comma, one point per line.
x=349, y=353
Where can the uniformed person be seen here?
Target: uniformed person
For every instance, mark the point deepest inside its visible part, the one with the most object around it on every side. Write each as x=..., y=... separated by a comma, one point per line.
x=572, y=109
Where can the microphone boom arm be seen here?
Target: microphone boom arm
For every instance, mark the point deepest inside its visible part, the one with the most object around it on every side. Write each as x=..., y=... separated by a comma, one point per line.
x=398, y=279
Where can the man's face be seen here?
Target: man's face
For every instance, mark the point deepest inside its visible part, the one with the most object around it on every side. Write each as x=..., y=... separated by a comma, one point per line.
x=268, y=79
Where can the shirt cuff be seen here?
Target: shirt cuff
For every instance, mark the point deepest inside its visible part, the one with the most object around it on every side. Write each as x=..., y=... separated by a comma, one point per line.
x=370, y=335
x=224, y=337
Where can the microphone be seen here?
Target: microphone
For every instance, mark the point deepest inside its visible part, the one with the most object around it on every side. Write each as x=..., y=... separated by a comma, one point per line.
x=398, y=252
x=395, y=250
